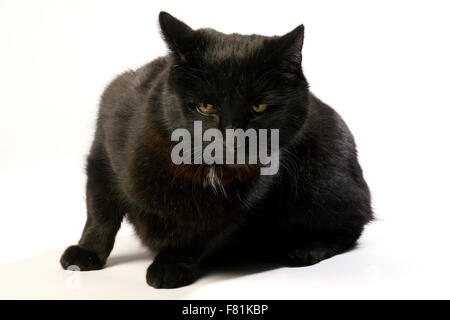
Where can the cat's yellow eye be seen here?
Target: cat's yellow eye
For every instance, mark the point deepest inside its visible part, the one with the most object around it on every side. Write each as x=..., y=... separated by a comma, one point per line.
x=259, y=107
x=206, y=108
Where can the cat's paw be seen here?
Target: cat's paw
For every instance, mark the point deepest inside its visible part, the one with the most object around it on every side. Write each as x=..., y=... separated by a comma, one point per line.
x=308, y=254
x=170, y=275
x=82, y=259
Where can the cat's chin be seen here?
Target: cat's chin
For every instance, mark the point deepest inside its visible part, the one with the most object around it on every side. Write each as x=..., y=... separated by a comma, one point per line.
x=220, y=176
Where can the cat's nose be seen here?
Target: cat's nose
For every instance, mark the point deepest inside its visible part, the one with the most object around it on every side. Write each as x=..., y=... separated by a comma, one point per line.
x=231, y=145
x=232, y=140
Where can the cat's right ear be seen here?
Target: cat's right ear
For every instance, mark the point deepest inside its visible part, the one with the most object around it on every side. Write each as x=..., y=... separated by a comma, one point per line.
x=291, y=44
x=178, y=35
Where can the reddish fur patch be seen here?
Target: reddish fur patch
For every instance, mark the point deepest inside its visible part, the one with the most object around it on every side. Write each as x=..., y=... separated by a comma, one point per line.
x=197, y=173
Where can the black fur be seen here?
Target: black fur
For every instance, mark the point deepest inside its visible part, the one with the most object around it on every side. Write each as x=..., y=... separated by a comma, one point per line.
x=314, y=208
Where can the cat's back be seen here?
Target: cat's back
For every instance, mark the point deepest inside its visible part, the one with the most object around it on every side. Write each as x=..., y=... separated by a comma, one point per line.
x=329, y=152
x=327, y=131
x=123, y=101
x=126, y=93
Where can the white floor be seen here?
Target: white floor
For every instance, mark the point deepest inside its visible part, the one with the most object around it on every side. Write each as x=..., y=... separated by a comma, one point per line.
x=374, y=270
x=388, y=79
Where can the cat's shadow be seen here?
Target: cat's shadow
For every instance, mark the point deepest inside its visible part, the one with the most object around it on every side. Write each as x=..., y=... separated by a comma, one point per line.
x=128, y=258
x=237, y=269
x=209, y=273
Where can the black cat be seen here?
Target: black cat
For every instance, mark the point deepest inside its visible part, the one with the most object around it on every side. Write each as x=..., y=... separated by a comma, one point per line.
x=315, y=207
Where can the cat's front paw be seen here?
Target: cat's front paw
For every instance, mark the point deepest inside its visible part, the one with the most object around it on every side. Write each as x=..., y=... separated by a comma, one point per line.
x=80, y=258
x=170, y=275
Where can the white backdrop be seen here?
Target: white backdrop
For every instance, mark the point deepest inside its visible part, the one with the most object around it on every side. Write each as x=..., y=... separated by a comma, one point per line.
x=383, y=65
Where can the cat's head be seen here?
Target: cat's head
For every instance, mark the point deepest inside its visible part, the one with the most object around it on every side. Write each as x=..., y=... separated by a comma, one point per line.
x=235, y=81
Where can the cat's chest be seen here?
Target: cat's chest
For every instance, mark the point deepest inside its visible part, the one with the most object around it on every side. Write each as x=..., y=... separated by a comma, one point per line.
x=180, y=212
x=154, y=183
x=163, y=192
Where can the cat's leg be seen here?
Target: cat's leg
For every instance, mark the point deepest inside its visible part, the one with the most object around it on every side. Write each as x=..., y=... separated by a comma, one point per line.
x=180, y=266
x=174, y=268
x=325, y=223
x=104, y=216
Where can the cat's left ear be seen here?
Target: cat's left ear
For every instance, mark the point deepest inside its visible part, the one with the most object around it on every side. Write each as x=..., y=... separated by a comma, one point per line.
x=291, y=44
x=178, y=35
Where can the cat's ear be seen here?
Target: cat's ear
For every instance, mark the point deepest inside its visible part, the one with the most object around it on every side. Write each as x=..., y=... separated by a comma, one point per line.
x=291, y=44
x=178, y=35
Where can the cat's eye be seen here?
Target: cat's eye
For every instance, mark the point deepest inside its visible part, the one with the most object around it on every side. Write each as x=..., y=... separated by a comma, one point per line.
x=206, y=108
x=259, y=107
